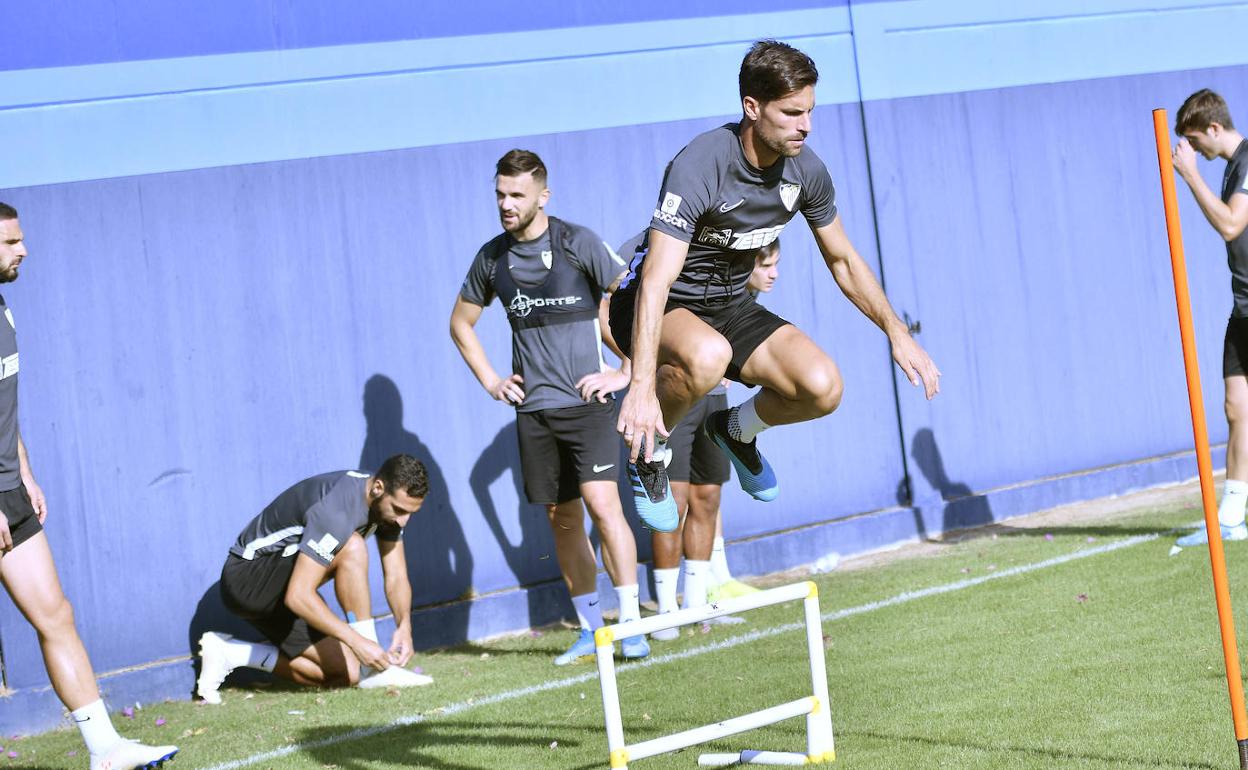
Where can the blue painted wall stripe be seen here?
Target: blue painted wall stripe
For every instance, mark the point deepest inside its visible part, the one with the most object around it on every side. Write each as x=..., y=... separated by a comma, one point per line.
x=58, y=34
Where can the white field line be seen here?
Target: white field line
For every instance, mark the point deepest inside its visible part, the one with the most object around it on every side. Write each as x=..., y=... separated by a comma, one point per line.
x=659, y=660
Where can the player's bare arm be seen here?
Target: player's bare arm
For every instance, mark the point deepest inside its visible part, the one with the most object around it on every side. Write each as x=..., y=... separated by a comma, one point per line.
x=640, y=415
x=599, y=384
x=1229, y=219
x=399, y=597
x=37, y=500
x=464, y=317
x=303, y=600
x=859, y=284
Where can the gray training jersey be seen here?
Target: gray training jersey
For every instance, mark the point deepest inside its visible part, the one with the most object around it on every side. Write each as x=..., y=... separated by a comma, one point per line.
x=1235, y=181
x=10, y=478
x=316, y=516
x=726, y=209
x=552, y=358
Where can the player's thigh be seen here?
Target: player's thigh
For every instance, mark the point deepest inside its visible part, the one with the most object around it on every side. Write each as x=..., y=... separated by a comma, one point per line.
x=539, y=457
x=791, y=364
x=29, y=574
x=589, y=445
x=691, y=344
x=1237, y=399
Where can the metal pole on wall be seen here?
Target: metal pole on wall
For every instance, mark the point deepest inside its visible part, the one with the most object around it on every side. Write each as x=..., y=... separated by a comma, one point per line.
x=1217, y=559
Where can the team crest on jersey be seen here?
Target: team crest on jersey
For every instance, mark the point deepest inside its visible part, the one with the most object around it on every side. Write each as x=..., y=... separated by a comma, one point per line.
x=547, y=257
x=789, y=193
x=713, y=237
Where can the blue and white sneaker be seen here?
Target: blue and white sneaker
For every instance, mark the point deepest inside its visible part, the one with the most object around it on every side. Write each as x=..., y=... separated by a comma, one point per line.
x=1201, y=536
x=583, y=647
x=132, y=755
x=652, y=494
x=635, y=647
x=753, y=471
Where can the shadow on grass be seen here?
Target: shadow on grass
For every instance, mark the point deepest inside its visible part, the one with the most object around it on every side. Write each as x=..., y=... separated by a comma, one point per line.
x=1027, y=751
x=424, y=744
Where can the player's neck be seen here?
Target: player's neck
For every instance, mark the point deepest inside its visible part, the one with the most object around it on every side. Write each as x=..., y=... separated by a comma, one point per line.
x=757, y=154
x=1231, y=139
x=535, y=229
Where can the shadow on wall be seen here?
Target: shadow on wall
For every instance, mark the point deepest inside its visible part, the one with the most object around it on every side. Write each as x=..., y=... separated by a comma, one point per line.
x=532, y=559
x=439, y=562
x=961, y=507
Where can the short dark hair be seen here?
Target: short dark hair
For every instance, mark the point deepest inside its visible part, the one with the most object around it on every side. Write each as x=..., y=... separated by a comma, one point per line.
x=773, y=69
x=7, y=211
x=404, y=472
x=766, y=251
x=519, y=162
x=1201, y=110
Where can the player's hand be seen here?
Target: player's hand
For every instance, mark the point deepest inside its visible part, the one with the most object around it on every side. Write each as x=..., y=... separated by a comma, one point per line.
x=370, y=653
x=6, y=539
x=1184, y=157
x=915, y=362
x=400, y=651
x=508, y=390
x=600, y=384
x=37, y=500
x=640, y=421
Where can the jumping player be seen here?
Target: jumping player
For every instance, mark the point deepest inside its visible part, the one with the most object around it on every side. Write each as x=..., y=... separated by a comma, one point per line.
x=684, y=310
x=26, y=566
x=1205, y=127
x=313, y=533
x=550, y=275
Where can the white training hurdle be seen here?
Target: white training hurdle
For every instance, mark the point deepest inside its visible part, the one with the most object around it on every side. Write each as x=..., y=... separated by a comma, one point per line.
x=815, y=707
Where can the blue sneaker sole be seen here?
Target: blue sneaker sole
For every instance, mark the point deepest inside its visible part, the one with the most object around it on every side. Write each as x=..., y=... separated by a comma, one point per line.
x=635, y=650
x=157, y=763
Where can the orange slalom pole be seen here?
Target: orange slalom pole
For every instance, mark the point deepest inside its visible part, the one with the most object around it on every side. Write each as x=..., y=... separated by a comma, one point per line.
x=1204, y=462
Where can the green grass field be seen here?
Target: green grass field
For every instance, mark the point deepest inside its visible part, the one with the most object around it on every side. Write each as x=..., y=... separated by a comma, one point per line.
x=1109, y=659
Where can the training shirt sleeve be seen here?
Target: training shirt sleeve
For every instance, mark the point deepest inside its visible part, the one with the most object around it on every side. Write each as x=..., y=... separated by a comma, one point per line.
x=478, y=286
x=689, y=186
x=328, y=524
x=595, y=257
x=818, y=202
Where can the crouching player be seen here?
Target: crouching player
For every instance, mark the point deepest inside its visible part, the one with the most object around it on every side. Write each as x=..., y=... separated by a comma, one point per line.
x=311, y=534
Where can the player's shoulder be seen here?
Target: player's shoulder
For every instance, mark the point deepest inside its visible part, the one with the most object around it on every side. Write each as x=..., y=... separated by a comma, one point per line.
x=577, y=235
x=721, y=142
x=494, y=247
x=809, y=165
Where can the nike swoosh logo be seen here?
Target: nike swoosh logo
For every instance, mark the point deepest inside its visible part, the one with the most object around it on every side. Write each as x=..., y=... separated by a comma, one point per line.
x=601, y=468
x=724, y=209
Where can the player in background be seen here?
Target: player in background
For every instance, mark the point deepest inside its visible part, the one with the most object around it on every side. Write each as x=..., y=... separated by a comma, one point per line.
x=1204, y=125
x=26, y=565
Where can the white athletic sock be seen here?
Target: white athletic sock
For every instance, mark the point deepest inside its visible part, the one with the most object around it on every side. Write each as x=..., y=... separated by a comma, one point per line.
x=665, y=588
x=659, y=455
x=630, y=605
x=261, y=656
x=366, y=628
x=96, y=728
x=695, y=582
x=744, y=423
x=720, y=573
x=1234, y=498
x=588, y=610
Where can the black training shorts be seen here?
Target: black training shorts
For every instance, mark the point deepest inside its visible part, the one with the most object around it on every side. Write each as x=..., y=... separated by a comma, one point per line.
x=696, y=458
x=741, y=320
x=1235, y=347
x=255, y=590
x=20, y=514
x=562, y=448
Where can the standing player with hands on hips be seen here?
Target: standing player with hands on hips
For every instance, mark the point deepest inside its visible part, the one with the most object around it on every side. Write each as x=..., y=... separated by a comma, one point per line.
x=683, y=309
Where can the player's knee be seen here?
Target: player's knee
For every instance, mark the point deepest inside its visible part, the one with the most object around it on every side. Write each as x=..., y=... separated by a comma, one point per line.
x=1237, y=411
x=824, y=389
x=55, y=620
x=706, y=366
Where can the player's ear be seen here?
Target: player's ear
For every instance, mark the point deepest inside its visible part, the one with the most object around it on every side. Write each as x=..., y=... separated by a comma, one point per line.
x=378, y=488
x=544, y=197
x=751, y=107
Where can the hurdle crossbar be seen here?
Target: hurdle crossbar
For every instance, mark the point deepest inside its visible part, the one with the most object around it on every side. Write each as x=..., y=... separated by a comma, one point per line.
x=815, y=707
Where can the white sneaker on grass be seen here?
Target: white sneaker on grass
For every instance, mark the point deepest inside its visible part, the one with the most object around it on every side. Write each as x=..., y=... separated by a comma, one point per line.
x=214, y=666
x=394, y=676
x=1201, y=536
x=132, y=755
